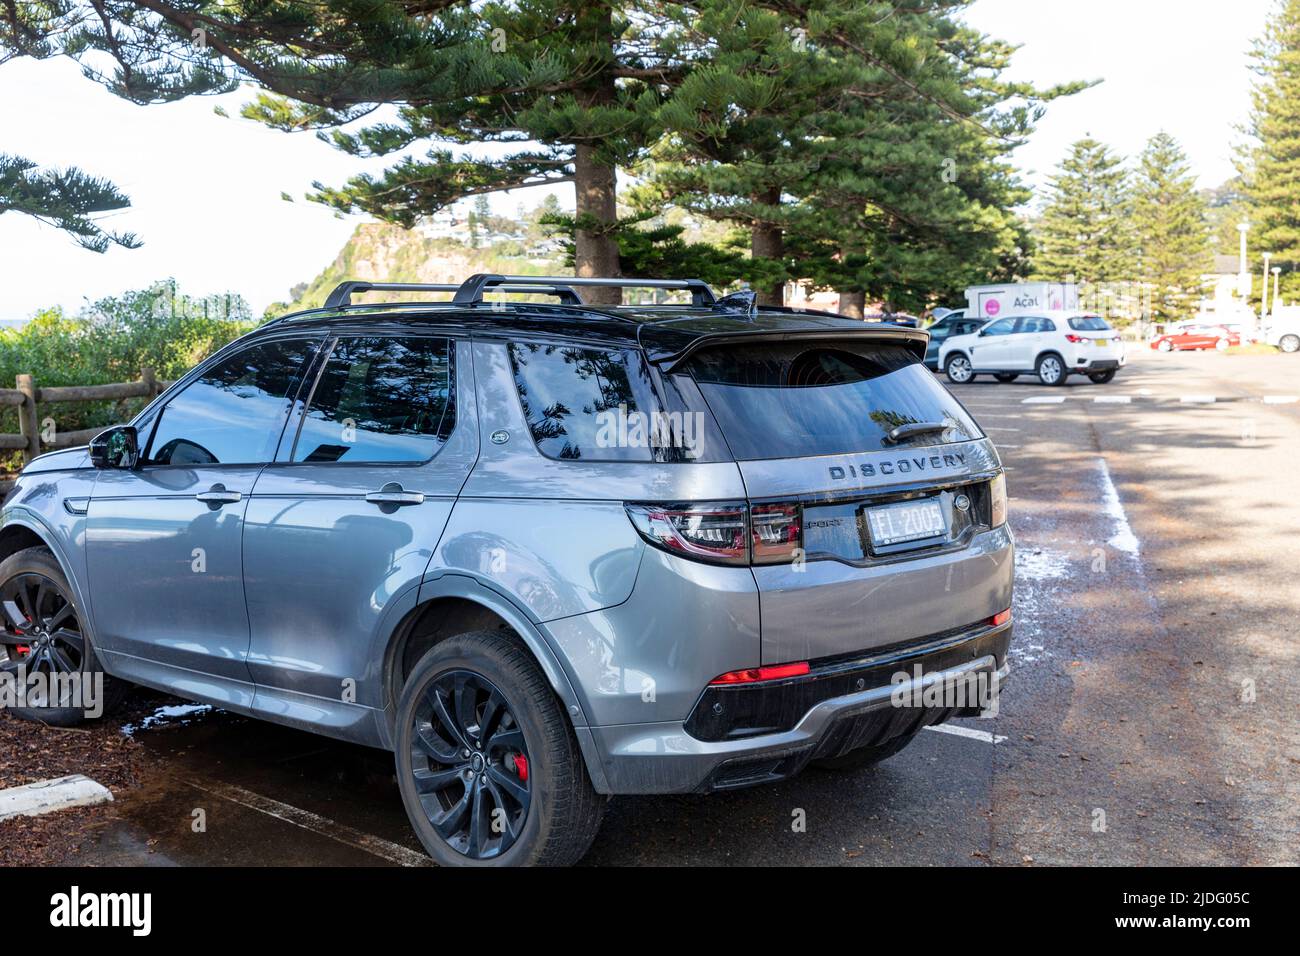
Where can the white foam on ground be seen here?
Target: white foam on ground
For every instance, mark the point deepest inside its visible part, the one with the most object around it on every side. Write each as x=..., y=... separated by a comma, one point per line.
x=1122, y=536
x=174, y=714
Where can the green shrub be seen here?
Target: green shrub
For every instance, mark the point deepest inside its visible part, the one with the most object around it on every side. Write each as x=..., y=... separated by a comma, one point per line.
x=112, y=340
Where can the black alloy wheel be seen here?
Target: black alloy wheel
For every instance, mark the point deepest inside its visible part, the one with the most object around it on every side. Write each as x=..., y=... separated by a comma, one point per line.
x=470, y=764
x=39, y=629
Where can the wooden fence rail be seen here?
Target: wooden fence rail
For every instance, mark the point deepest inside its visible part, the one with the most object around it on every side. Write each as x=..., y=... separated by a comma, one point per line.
x=26, y=396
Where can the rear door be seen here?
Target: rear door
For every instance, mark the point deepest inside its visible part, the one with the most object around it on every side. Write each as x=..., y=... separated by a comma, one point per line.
x=343, y=524
x=810, y=425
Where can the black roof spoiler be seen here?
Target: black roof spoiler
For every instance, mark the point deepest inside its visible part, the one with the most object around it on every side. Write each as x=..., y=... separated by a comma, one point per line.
x=915, y=339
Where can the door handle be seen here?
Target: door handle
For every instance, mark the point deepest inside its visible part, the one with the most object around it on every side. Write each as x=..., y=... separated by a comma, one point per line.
x=393, y=494
x=218, y=495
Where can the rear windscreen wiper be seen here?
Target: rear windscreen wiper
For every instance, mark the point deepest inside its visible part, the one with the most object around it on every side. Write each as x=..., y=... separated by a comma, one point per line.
x=912, y=429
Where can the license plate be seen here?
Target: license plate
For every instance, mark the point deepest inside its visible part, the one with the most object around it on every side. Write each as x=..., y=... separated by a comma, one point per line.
x=905, y=521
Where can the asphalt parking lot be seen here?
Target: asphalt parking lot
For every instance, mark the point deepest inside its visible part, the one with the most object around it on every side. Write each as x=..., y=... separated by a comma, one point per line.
x=1150, y=717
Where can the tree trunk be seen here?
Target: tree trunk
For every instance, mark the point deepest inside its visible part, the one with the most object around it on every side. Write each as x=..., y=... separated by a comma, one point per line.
x=853, y=304
x=767, y=242
x=595, y=253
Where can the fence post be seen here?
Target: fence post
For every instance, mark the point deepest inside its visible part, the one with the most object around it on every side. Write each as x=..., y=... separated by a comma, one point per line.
x=28, y=423
x=147, y=376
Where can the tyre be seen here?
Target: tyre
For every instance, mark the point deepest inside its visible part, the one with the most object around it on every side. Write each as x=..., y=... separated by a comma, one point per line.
x=1050, y=369
x=1221, y=345
x=1006, y=376
x=487, y=763
x=1101, y=378
x=865, y=756
x=958, y=369
x=43, y=645
x=1289, y=343
x=1165, y=346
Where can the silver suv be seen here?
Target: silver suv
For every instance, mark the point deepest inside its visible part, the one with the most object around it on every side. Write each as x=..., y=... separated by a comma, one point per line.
x=543, y=552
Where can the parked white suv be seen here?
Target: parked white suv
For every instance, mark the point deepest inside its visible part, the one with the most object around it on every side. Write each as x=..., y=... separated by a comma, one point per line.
x=1283, y=333
x=1051, y=347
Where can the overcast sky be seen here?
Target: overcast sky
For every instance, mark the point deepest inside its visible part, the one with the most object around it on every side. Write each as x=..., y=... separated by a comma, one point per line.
x=206, y=191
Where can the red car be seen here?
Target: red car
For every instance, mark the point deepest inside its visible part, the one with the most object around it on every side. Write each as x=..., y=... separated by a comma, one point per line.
x=1197, y=337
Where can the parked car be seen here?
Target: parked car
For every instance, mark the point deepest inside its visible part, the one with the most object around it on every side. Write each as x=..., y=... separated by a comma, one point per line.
x=1050, y=347
x=543, y=553
x=1283, y=334
x=1192, y=337
x=953, y=322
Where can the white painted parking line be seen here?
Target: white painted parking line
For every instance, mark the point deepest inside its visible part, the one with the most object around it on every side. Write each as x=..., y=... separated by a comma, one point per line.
x=1280, y=399
x=1043, y=400
x=377, y=846
x=47, y=796
x=956, y=731
x=1122, y=536
x=1112, y=399
x=1197, y=399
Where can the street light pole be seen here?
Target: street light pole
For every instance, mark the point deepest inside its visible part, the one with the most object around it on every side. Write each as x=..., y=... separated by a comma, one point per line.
x=1263, y=296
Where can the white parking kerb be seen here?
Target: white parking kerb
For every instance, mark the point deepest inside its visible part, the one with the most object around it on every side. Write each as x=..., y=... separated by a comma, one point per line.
x=1112, y=399
x=1280, y=399
x=1043, y=400
x=49, y=796
x=1197, y=399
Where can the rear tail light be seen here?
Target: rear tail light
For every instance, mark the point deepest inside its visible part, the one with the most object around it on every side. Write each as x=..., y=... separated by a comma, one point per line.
x=998, y=501
x=1075, y=339
x=723, y=532
x=775, y=532
x=717, y=531
x=753, y=675
x=997, y=620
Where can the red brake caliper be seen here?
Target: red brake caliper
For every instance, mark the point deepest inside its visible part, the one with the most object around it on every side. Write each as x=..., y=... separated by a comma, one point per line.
x=521, y=767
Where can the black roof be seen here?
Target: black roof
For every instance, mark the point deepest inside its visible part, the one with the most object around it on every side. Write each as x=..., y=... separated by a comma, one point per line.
x=667, y=332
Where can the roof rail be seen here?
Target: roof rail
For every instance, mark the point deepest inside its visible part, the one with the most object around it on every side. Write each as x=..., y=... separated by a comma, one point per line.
x=343, y=292
x=472, y=290
x=341, y=297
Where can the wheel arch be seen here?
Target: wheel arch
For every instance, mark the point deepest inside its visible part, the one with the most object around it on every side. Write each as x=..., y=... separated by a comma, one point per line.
x=455, y=603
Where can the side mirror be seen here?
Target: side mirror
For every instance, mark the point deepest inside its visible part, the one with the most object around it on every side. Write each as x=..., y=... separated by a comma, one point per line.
x=116, y=447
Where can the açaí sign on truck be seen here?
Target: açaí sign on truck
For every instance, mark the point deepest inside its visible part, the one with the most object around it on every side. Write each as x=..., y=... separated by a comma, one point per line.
x=1021, y=298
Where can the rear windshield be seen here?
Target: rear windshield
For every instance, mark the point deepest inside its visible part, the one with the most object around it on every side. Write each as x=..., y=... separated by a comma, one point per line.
x=792, y=400
x=1089, y=323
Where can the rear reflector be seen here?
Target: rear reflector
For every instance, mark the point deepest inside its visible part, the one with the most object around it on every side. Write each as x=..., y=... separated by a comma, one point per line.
x=1000, y=618
x=754, y=674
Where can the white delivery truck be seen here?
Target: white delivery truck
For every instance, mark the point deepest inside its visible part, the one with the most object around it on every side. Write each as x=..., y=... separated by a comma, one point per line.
x=1021, y=298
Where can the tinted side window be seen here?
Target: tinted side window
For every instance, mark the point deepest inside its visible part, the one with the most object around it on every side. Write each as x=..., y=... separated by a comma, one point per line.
x=234, y=412
x=380, y=399
x=1001, y=327
x=588, y=404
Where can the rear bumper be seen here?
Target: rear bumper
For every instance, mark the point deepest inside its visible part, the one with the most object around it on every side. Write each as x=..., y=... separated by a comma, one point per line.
x=890, y=693
x=1085, y=363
